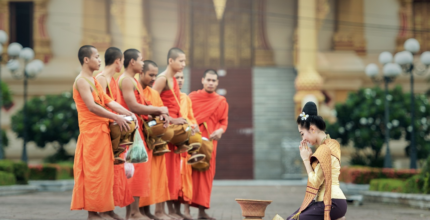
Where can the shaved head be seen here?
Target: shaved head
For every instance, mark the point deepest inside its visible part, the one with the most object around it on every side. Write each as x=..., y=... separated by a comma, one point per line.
x=210, y=71
x=85, y=51
x=174, y=53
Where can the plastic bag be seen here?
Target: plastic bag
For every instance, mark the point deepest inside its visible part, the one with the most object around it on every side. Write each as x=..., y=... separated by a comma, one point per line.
x=137, y=152
x=129, y=170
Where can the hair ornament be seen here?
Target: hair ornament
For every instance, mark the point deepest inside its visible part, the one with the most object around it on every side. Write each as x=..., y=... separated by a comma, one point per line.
x=304, y=116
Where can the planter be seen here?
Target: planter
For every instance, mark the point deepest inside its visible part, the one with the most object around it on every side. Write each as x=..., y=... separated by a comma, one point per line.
x=253, y=209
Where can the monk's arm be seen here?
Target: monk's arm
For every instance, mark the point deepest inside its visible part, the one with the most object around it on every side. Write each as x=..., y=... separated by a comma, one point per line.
x=134, y=106
x=159, y=84
x=102, y=81
x=87, y=97
x=116, y=107
x=222, y=123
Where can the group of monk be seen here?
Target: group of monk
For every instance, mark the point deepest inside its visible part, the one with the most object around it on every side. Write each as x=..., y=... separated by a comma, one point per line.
x=142, y=93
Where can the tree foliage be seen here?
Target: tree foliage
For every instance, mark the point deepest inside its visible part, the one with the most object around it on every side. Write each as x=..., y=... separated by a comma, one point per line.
x=51, y=119
x=361, y=120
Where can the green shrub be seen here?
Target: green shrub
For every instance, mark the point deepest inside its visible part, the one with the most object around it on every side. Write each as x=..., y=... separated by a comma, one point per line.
x=43, y=172
x=414, y=184
x=6, y=166
x=6, y=178
x=387, y=185
x=60, y=171
x=21, y=171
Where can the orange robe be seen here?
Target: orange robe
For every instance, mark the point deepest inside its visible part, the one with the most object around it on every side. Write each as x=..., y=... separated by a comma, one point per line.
x=140, y=183
x=212, y=109
x=186, y=193
x=173, y=160
x=93, y=167
x=121, y=191
x=159, y=182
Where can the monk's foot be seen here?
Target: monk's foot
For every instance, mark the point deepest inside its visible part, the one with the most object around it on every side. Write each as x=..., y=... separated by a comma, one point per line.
x=94, y=216
x=107, y=215
x=138, y=216
x=205, y=216
x=116, y=216
x=150, y=215
x=176, y=216
x=162, y=216
x=185, y=216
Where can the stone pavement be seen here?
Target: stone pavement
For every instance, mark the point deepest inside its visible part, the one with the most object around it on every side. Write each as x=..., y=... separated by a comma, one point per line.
x=286, y=199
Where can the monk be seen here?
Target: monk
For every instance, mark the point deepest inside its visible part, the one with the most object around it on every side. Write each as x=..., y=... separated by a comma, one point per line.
x=159, y=182
x=168, y=89
x=113, y=64
x=131, y=97
x=211, y=109
x=93, y=167
x=186, y=194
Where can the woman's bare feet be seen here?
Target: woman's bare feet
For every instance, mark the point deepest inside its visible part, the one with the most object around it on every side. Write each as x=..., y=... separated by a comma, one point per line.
x=94, y=216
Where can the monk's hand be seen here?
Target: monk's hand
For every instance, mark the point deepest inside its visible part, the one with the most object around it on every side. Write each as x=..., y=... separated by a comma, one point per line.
x=305, y=151
x=135, y=120
x=216, y=135
x=164, y=110
x=166, y=119
x=122, y=122
x=178, y=121
x=195, y=129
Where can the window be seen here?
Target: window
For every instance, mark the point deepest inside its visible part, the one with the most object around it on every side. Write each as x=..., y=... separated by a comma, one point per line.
x=21, y=23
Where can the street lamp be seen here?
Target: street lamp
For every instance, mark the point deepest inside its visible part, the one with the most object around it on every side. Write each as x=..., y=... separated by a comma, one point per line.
x=406, y=60
x=3, y=39
x=390, y=72
x=30, y=70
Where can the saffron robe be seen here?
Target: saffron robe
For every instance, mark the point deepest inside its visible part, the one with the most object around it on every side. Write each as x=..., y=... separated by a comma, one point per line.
x=173, y=160
x=212, y=109
x=159, y=182
x=93, y=167
x=140, y=182
x=121, y=191
x=186, y=193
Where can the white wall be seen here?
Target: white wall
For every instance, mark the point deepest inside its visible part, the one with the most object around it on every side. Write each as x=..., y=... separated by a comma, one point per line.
x=280, y=30
x=382, y=23
x=163, y=25
x=64, y=26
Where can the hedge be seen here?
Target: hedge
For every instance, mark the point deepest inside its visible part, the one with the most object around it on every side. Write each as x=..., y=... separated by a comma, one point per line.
x=7, y=179
x=387, y=185
x=51, y=172
x=21, y=172
x=19, y=169
x=363, y=175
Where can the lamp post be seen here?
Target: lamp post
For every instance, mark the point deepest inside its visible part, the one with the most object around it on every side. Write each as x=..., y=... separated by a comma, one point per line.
x=30, y=70
x=3, y=39
x=390, y=71
x=406, y=60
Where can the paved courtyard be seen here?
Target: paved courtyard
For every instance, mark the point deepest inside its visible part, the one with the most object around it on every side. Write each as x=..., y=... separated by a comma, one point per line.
x=286, y=199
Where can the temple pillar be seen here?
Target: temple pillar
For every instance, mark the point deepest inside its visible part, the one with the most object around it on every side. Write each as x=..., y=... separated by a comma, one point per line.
x=308, y=81
x=347, y=36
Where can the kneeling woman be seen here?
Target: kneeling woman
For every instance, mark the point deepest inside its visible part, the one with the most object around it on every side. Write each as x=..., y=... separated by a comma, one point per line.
x=323, y=168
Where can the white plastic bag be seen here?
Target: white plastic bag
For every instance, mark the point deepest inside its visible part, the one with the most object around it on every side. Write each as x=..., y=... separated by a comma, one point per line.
x=129, y=170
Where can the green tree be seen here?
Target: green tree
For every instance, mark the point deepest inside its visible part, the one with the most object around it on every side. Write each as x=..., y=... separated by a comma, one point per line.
x=361, y=120
x=51, y=119
x=6, y=102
